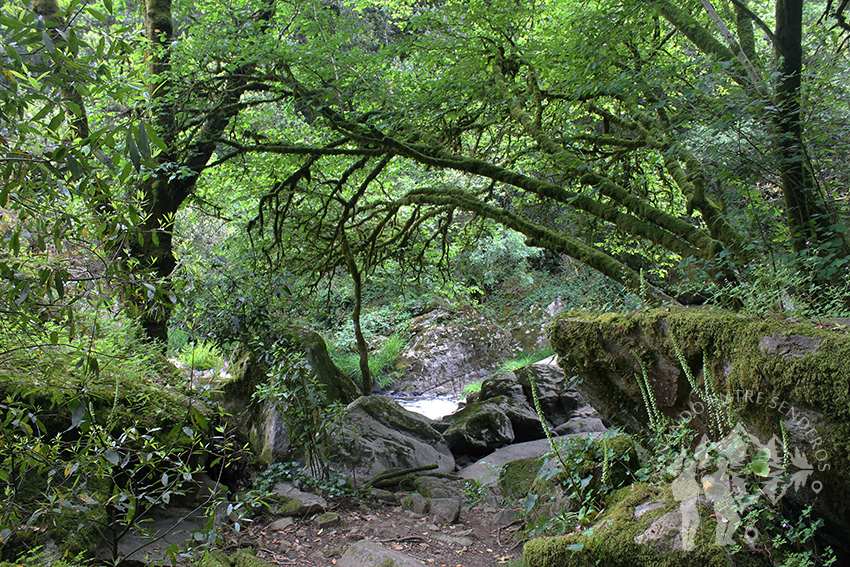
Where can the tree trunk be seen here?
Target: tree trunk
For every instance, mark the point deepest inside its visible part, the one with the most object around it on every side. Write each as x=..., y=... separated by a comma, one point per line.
x=362, y=347
x=806, y=214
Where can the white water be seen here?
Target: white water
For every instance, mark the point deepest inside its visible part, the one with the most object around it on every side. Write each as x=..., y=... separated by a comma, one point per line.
x=433, y=408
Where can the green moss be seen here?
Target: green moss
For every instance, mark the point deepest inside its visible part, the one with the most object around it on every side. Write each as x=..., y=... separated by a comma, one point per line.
x=603, y=351
x=517, y=477
x=611, y=542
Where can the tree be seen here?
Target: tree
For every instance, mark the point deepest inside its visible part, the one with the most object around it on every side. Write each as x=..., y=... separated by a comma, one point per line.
x=583, y=143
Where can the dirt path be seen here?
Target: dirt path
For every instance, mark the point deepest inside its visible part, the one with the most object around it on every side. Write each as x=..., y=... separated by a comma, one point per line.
x=483, y=537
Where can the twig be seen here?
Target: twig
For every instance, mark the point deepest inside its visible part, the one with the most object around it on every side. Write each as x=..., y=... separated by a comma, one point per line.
x=413, y=538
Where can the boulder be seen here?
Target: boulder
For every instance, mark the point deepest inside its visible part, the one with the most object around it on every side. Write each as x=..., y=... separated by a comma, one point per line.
x=262, y=422
x=479, y=428
x=652, y=538
x=449, y=348
x=294, y=502
x=786, y=382
x=377, y=434
x=558, y=399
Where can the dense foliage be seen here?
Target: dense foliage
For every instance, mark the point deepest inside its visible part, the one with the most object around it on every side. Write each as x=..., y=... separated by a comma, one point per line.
x=223, y=168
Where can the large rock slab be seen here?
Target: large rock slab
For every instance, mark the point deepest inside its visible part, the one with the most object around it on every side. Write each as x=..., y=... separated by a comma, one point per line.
x=449, y=348
x=377, y=434
x=372, y=554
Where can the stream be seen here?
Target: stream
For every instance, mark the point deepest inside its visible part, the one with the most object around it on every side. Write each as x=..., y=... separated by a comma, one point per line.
x=432, y=407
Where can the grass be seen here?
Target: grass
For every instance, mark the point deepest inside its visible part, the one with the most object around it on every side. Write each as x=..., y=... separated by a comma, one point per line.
x=472, y=387
x=525, y=359
x=381, y=363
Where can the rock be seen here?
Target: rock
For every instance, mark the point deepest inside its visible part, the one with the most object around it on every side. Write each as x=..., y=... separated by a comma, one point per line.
x=449, y=348
x=415, y=503
x=371, y=554
x=479, y=428
x=377, y=434
x=445, y=510
x=558, y=400
x=262, y=422
x=655, y=540
x=281, y=524
x=294, y=502
x=665, y=533
x=328, y=519
x=766, y=372
x=581, y=425
x=506, y=384
x=444, y=497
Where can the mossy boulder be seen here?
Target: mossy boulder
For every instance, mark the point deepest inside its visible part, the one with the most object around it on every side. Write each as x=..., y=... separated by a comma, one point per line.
x=623, y=537
x=262, y=423
x=769, y=374
x=480, y=428
x=562, y=481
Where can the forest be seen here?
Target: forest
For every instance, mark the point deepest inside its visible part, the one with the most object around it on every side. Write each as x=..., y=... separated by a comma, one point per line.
x=181, y=178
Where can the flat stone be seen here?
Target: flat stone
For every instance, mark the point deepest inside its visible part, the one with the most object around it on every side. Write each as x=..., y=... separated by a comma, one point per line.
x=328, y=519
x=295, y=502
x=454, y=540
x=372, y=554
x=281, y=524
x=486, y=470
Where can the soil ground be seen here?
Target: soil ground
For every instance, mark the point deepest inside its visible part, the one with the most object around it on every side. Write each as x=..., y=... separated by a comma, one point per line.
x=483, y=537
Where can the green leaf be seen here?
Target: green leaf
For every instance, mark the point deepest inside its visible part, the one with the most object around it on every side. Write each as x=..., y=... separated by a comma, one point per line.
x=575, y=546
x=133, y=151
x=78, y=413
x=112, y=457
x=144, y=145
x=97, y=15
x=108, y=5
x=759, y=468
x=48, y=43
x=157, y=141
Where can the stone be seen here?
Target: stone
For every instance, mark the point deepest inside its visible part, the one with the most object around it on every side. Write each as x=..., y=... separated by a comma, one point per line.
x=445, y=510
x=558, y=399
x=479, y=428
x=581, y=425
x=451, y=347
x=372, y=554
x=294, y=502
x=328, y=519
x=415, y=503
x=665, y=533
x=377, y=434
x=281, y=524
